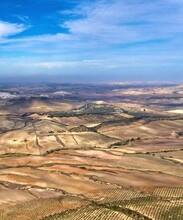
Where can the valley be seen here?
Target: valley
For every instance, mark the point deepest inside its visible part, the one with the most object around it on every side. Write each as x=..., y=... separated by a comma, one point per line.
x=107, y=151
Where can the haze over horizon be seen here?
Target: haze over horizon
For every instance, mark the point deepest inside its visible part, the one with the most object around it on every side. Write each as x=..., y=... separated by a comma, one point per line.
x=85, y=40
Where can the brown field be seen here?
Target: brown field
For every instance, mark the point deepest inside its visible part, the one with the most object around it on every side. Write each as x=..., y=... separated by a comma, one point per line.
x=109, y=158
x=143, y=130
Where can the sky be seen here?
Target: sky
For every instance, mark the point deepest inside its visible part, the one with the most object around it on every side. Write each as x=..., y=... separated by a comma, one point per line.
x=91, y=40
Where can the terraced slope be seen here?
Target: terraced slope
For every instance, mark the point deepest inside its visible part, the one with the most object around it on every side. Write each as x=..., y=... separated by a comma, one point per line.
x=97, y=161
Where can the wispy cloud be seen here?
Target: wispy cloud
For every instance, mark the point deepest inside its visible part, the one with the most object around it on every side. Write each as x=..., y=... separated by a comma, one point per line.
x=117, y=22
x=7, y=29
x=123, y=21
x=112, y=34
x=23, y=18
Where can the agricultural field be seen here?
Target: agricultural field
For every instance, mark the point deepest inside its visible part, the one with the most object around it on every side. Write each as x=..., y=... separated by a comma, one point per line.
x=86, y=152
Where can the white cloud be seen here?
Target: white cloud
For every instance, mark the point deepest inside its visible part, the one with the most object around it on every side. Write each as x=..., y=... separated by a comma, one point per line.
x=125, y=21
x=7, y=29
x=103, y=23
x=71, y=64
x=23, y=18
x=103, y=31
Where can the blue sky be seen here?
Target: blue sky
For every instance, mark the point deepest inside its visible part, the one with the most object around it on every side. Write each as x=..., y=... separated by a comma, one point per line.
x=91, y=40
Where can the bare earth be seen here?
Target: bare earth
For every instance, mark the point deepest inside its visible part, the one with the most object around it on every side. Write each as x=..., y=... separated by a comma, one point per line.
x=112, y=154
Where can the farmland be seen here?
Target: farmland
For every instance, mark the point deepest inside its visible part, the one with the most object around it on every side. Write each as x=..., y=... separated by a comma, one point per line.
x=91, y=152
